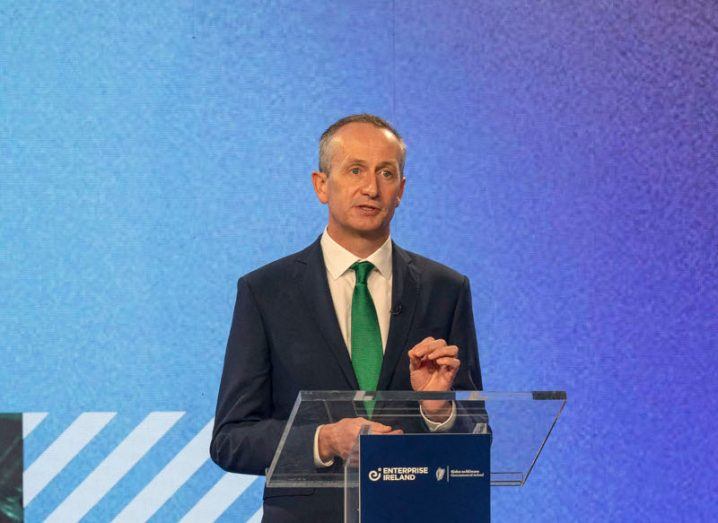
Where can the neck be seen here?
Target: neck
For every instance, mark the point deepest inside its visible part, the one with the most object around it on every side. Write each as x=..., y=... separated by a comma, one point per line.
x=361, y=246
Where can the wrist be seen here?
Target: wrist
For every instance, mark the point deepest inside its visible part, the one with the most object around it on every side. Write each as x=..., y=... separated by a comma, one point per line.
x=323, y=445
x=436, y=410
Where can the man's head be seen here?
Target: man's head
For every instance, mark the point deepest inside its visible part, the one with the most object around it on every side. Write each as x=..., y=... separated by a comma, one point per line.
x=361, y=178
x=325, y=141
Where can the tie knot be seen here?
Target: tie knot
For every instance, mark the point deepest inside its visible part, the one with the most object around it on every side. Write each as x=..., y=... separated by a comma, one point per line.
x=362, y=270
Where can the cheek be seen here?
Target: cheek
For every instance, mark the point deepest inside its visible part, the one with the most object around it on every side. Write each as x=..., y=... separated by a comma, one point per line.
x=340, y=201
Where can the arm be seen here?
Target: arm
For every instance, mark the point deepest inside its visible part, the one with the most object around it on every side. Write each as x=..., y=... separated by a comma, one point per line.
x=245, y=435
x=463, y=335
x=438, y=365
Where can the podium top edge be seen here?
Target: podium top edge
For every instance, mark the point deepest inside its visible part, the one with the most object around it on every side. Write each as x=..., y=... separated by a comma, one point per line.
x=459, y=395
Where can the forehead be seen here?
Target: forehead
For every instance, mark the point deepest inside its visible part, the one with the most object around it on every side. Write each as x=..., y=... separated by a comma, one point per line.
x=365, y=141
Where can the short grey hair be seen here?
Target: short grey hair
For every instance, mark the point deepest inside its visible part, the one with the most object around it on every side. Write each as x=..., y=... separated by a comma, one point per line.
x=325, y=140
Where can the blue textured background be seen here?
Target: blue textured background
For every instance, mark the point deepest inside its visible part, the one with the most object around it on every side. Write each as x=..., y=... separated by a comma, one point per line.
x=563, y=155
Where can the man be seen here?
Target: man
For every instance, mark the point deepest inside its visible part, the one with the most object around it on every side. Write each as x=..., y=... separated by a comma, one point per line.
x=352, y=311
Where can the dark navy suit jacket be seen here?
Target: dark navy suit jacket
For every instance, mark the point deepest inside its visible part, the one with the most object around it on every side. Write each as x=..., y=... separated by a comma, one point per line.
x=285, y=337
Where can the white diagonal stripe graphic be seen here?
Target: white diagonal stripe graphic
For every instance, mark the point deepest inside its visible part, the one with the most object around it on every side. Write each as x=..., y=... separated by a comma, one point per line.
x=257, y=518
x=218, y=498
x=169, y=480
x=30, y=421
x=114, y=467
x=55, y=457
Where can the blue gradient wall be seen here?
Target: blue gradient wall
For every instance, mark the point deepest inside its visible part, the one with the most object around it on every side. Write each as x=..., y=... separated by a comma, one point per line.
x=562, y=155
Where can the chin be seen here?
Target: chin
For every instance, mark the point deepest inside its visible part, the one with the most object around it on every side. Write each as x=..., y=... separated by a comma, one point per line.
x=370, y=232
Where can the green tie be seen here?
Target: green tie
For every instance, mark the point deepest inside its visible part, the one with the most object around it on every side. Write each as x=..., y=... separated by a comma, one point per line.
x=366, y=337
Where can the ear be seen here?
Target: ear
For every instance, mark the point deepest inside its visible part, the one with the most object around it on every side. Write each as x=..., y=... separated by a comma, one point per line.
x=319, y=180
x=400, y=195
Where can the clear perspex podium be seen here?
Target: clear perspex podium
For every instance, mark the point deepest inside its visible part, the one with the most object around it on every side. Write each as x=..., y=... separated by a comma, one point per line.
x=517, y=423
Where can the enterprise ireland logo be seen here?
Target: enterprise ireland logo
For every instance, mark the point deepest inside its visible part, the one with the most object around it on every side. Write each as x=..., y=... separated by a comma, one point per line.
x=397, y=473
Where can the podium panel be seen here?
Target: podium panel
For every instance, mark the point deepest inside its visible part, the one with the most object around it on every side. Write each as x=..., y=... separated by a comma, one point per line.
x=419, y=477
x=519, y=424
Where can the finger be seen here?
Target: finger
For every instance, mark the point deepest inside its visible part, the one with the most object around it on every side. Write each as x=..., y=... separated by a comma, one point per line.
x=414, y=363
x=418, y=349
x=376, y=426
x=365, y=424
x=395, y=432
x=448, y=350
x=417, y=362
x=454, y=363
x=426, y=346
x=431, y=347
x=416, y=358
x=448, y=373
x=422, y=343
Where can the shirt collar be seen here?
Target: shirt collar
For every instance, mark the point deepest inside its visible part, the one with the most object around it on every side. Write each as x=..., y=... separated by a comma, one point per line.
x=338, y=259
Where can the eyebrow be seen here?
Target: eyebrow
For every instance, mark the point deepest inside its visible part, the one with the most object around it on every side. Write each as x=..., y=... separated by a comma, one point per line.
x=388, y=164
x=357, y=161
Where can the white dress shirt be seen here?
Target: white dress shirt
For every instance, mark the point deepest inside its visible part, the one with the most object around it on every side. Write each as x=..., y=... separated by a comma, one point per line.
x=341, y=280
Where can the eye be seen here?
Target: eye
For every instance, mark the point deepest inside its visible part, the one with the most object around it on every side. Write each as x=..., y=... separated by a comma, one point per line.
x=387, y=174
x=355, y=170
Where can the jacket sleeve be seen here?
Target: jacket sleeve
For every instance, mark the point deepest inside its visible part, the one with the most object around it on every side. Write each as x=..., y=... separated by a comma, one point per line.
x=245, y=434
x=463, y=335
x=470, y=416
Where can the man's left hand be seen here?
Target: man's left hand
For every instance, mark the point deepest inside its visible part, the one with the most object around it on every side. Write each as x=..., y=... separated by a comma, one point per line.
x=432, y=367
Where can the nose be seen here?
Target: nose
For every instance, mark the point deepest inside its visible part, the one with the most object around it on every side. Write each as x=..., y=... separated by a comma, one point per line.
x=369, y=186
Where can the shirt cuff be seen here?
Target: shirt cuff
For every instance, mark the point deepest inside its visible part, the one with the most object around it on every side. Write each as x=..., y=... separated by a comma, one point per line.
x=435, y=426
x=318, y=460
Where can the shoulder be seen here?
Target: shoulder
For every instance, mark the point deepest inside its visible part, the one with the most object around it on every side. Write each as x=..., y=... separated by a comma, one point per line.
x=278, y=272
x=428, y=270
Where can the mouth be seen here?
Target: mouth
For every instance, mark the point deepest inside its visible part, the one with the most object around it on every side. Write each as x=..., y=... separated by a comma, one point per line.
x=368, y=209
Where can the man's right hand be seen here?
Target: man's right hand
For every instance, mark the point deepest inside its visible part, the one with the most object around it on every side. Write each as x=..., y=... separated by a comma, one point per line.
x=338, y=439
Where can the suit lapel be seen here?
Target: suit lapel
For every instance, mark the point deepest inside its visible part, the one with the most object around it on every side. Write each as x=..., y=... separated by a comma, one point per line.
x=315, y=290
x=404, y=296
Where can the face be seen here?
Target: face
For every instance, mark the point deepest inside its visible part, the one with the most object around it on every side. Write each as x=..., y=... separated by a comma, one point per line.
x=364, y=184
